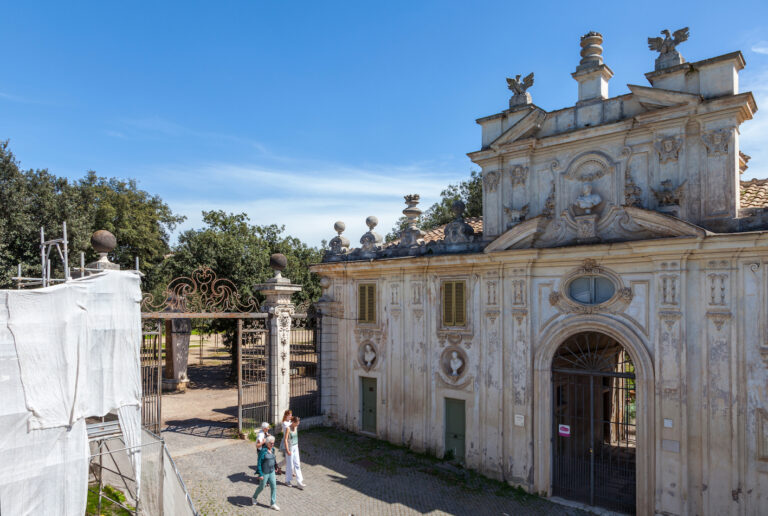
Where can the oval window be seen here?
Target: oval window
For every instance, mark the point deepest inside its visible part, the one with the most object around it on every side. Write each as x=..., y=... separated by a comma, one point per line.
x=591, y=290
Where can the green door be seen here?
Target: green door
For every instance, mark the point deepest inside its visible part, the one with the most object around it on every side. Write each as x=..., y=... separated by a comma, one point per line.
x=454, y=429
x=369, y=404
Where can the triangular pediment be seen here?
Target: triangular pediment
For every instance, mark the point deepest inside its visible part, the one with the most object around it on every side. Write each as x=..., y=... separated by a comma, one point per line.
x=615, y=224
x=524, y=128
x=656, y=98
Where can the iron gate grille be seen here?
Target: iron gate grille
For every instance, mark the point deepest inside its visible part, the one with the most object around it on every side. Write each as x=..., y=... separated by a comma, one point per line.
x=254, y=372
x=594, y=431
x=151, y=374
x=304, y=366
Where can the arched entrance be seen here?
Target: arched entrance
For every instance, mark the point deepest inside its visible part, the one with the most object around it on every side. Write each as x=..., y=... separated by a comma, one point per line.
x=594, y=416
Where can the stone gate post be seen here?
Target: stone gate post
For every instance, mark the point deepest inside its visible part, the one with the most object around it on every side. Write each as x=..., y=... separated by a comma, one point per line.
x=278, y=291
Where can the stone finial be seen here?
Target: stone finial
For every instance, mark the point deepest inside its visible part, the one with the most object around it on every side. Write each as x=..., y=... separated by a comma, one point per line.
x=411, y=235
x=591, y=73
x=370, y=242
x=521, y=96
x=339, y=245
x=103, y=242
x=591, y=51
x=666, y=47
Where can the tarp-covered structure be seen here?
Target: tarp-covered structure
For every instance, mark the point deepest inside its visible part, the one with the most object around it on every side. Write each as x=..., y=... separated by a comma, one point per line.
x=67, y=352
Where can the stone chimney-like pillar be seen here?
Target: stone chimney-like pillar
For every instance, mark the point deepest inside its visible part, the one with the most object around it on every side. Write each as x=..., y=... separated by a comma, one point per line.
x=278, y=291
x=592, y=74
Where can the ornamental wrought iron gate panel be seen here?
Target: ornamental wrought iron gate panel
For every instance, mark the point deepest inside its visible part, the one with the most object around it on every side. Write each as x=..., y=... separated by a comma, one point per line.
x=594, y=444
x=305, y=366
x=151, y=374
x=203, y=295
x=253, y=393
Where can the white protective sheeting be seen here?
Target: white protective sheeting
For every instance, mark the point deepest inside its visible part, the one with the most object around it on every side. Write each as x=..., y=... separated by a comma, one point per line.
x=66, y=352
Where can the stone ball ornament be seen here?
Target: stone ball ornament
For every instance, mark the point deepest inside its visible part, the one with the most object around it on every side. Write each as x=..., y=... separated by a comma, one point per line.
x=371, y=221
x=103, y=241
x=339, y=227
x=278, y=262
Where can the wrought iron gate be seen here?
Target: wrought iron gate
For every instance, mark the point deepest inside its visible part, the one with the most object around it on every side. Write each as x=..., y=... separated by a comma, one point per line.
x=151, y=374
x=253, y=399
x=305, y=365
x=594, y=430
x=203, y=295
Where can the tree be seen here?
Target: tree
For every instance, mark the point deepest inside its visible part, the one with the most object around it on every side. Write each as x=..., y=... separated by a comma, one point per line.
x=239, y=251
x=32, y=199
x=469, y=191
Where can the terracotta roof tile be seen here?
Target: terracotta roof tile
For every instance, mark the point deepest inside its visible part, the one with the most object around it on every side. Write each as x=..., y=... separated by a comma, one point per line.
x=754, y=193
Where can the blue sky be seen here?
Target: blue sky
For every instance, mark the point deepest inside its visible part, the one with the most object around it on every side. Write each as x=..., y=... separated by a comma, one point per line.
x=303, y=113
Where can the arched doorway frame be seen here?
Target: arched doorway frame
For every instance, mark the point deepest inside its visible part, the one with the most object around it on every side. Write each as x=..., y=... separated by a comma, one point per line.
x=551, y=339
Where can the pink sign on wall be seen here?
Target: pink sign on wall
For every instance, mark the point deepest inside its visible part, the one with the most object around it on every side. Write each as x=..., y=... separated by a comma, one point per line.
x=564, y=430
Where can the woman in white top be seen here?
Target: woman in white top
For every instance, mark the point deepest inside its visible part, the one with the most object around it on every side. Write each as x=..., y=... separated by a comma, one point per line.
x=293, y=468
x=287, y=416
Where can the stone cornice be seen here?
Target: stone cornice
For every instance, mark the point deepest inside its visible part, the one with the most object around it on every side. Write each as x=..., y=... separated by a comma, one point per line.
x=746, y=245
x=737, y=56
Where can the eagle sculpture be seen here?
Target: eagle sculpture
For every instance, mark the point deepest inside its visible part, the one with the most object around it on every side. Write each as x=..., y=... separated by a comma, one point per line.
x=520, y=87
x=669, y=42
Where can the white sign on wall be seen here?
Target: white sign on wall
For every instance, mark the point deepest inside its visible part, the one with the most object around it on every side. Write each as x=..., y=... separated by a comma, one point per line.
x=564, y=430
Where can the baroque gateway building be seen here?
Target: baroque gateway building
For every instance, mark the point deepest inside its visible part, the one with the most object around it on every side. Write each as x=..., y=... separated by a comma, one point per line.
x=600, y=335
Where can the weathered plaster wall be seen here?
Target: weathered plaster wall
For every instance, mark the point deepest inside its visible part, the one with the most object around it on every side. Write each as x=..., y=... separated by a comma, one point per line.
x=692, y=315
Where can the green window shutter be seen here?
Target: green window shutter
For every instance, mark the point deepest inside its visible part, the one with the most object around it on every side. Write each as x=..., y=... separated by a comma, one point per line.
x=371, y=304
x=361, y=311
x=448, y=303
x=459, y=303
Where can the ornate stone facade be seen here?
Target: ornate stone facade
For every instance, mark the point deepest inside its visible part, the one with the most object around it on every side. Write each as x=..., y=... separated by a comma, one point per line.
x=643, y=191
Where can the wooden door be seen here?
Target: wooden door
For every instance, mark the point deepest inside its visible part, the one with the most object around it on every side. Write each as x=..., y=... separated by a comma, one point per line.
x=369, y=404
x=455, y=429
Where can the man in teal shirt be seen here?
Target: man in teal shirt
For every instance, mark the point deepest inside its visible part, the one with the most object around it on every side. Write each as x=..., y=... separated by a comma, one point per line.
x=265, y=469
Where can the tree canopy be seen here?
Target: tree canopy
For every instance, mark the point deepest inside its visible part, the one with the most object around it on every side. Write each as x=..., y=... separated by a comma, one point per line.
x=469, y=191
x=240, y=251
x=31, y=199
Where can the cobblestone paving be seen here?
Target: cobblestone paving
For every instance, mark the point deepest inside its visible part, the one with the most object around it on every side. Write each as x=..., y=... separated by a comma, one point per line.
x=345, y=474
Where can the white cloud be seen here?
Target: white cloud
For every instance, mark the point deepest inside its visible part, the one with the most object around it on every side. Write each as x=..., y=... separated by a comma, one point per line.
x=307, y=199
x=760, y=47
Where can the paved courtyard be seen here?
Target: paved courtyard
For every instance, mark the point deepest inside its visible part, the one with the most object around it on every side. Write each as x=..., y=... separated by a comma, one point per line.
x=346, y=474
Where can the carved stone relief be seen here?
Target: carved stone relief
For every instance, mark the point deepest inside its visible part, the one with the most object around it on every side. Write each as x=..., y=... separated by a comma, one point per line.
x=717, y=286
x=589, y=167
x=717, y=141
x=515, y=216
x=518, y=292
x=668, y=149
x=632, y=192
x=549, y=203
x=519, y=174
x=491, y=180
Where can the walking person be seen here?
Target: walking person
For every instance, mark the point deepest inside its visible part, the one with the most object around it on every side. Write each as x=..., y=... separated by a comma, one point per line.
x=261, y=437
x=286, y=423
x=293, y=465
x=265, y=469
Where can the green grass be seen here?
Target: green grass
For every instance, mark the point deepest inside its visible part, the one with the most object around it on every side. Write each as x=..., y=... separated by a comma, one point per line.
x=108, y=508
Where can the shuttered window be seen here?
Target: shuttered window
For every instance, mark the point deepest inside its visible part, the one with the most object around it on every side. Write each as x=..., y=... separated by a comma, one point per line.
x=454, y=303
x=366, y=303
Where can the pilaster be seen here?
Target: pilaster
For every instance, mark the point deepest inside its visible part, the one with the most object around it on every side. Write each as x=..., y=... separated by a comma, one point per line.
x=278, y=291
